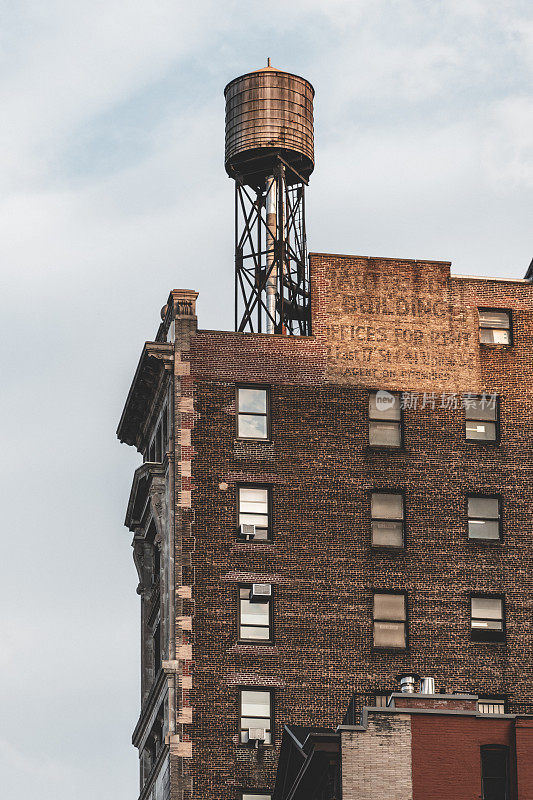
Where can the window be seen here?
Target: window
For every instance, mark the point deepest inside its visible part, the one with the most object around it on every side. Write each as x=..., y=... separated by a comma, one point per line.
x=494, y=326
x=254, y=507
x=158, y=446
x=385, y=419
x=387, y=519
x=491, y=705
x=164, y=430
x=255, y=796
x=482, y=418
x=156, y=642
x=381, y=699
x=486, y=619
x=256, y=716
x=255, y=623
x=252, y=413
x=390, y=620
x=156, y=564
x=495, y=772
x=484, y=518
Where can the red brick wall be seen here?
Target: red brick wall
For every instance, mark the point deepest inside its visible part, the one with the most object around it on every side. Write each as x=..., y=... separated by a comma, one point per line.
x=446, y=759
x=258, y=357
x=524, y=758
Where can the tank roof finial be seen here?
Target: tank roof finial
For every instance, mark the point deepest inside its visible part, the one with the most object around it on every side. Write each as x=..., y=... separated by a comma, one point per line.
x=268, y=62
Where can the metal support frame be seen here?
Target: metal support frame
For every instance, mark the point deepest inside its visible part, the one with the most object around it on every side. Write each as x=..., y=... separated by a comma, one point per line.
x=271, y=254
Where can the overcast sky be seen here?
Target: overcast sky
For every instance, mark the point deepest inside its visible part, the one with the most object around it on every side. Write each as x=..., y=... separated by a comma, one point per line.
x=113, y=192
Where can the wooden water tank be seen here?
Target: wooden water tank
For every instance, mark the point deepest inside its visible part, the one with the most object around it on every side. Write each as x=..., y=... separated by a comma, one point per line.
x=268, y=113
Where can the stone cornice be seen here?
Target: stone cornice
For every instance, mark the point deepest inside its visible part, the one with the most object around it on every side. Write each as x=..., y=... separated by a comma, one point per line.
x=156, y=357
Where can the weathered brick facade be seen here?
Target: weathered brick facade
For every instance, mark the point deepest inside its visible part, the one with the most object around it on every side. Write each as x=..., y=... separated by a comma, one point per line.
x=377, y=324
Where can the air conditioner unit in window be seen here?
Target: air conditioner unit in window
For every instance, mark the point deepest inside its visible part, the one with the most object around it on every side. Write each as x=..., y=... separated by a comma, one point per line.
x=260, y=592
x=256, y=736
x=247, y=531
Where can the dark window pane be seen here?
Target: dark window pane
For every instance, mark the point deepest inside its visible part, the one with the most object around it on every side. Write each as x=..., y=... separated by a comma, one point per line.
x=479, y=408
x=495, y=789
x=157, y=444
x=494, y=771
x=494, y=762
x=164, y=432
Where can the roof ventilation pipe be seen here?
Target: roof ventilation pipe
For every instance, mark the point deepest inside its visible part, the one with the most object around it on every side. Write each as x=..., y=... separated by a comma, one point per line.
x=408, y=682
x=427, y=686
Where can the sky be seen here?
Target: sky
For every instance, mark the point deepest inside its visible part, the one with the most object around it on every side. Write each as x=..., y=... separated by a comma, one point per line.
x=113, y=192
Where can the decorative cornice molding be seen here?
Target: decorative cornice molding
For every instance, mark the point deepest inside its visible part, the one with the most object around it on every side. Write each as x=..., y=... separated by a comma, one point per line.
x=156, y=358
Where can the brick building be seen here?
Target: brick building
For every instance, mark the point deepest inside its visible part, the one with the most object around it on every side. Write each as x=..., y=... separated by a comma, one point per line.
x=416, y=746
x=315, y=514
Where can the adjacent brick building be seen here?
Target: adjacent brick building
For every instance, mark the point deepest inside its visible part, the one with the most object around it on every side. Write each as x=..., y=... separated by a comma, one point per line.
x=416, y=747
x=316, y=514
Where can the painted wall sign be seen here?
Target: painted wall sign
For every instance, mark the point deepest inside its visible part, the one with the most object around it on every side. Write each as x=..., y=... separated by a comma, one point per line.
x=395, y=325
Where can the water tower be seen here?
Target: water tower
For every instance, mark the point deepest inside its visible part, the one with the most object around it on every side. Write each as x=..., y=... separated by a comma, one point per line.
x=270, y=156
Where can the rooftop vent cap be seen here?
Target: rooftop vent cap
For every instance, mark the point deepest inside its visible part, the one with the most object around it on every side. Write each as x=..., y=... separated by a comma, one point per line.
x=408, y=681
x=427, y=686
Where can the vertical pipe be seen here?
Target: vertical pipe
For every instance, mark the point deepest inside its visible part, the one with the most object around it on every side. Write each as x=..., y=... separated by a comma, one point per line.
x=236, y=233
x=271, y=282
x=259, y=218
x=282, y=242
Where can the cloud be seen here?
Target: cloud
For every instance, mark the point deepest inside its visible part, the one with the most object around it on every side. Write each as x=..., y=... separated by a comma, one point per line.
x=508, y=143
x=79, y=59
